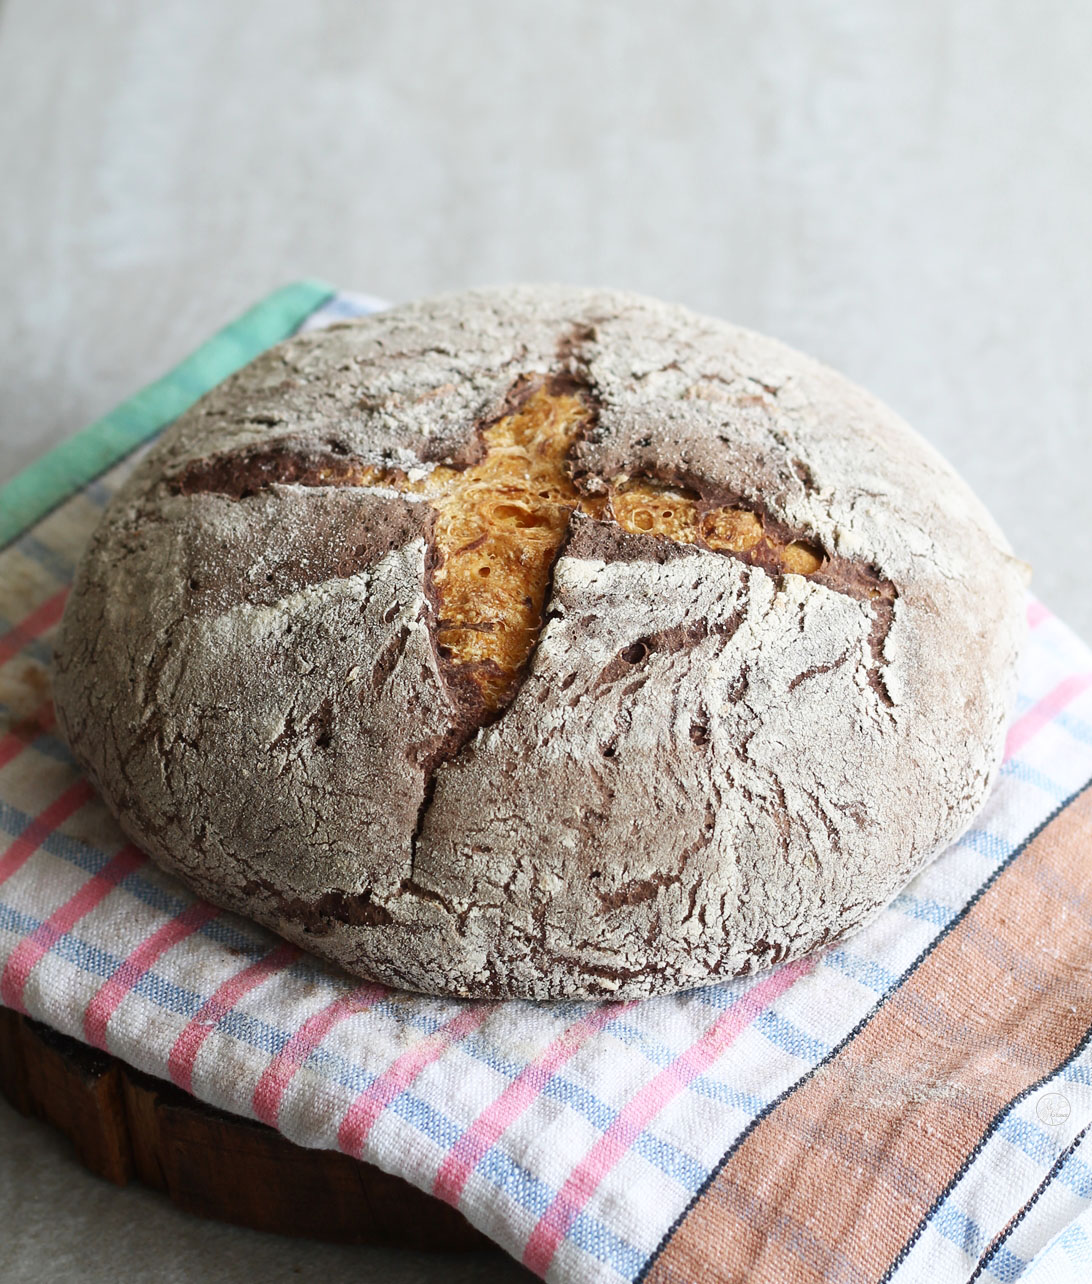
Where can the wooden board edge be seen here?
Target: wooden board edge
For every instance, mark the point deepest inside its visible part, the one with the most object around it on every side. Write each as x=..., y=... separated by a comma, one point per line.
x=124, y=1124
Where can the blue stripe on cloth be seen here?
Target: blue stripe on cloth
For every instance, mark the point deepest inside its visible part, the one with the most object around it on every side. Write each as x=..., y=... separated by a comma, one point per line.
x=97, y=492
x=683, y=1169
x=928, y=911
x=865, y=971
x=725, y=1095
x=36, y=649
x=1076, y=727
x=339, y=309
x=1081, y=1073
x=959, y=1229
x=46, y=744
x=773, y=1026
x=1015, y=769
x=1033, y=1141
x=61, y=566
x=788, y=1036
x=1006, y=1266
x=658, y=1053
x=986, y=844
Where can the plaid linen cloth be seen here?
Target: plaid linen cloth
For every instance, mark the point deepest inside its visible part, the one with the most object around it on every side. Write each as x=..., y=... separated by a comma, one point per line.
x=911, y=1104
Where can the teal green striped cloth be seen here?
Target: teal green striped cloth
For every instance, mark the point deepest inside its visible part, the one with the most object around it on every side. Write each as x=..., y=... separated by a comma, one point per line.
x=58, y=474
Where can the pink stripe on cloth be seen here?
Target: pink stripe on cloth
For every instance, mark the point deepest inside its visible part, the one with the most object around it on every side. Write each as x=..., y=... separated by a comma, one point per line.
x=14, y=742
x=41, y=618
x=183, y=1055
x=31, y=949
x=1045, y=710
x=270, y=1089
x=398, y=1076
x=39, y=829
x=1037, y=613
x=109, y=996
x=586, y=1177
x=525, y=1088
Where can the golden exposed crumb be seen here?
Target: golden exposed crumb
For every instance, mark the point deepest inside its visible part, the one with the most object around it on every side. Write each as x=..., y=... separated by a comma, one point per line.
x=501, y=521
x=500, y=524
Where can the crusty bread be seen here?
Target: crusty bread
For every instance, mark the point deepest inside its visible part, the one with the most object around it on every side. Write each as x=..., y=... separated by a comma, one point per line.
x=542, y=642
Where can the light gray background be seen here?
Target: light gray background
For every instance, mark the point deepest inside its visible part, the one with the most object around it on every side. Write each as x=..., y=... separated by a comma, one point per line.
x=904, y=190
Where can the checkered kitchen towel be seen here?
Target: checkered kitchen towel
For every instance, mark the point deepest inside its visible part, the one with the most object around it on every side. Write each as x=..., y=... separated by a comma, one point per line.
x=913, y=1104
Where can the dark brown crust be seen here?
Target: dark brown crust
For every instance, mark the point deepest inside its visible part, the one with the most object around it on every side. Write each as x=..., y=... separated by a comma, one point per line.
x=309, y=536
x=240, y=474
x=243, y=475
x=593, y=540
x=630, y=662
x=293, y=742
x=319, y=917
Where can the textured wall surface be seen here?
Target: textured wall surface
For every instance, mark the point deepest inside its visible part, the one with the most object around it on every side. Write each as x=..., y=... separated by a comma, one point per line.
x=903, y=190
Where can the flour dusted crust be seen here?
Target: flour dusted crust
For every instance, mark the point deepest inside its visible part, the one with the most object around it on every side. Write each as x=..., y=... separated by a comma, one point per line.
x=709, y=761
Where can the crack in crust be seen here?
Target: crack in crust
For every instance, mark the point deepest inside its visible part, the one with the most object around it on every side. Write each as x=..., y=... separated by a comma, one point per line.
x=502, y=521
x=318, y=917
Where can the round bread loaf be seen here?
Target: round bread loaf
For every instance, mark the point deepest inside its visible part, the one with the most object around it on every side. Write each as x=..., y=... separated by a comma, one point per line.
x=542, y=642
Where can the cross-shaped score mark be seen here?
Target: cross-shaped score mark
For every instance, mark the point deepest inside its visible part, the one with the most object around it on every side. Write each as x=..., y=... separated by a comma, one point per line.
x=502, y=520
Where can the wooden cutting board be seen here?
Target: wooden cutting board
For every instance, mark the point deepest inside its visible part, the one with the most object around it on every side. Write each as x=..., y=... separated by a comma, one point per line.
x=126, y=1125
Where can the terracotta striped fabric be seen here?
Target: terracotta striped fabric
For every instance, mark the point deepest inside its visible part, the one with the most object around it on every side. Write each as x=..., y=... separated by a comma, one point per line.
x=913, y=1104
x=847, y=1168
